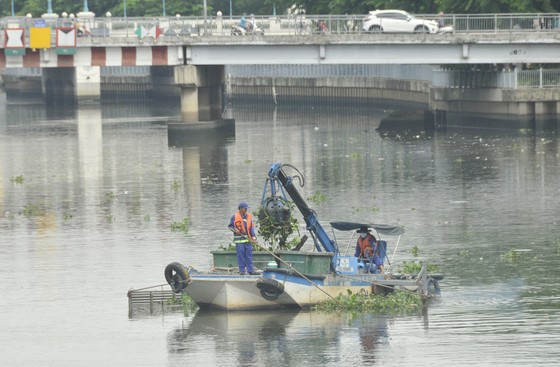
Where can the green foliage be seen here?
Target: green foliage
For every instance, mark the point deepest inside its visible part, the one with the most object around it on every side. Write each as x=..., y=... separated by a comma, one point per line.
x=464, y=253
x=31, y=210
x=317, y=198
x=277, y=232
x=139, y=8
x=415, y=251
x=183, y=300
x=228, y=247
x=176, y=185
x=188, y=304
x=511, y=256
x=414, y=267
x=181, y=226
x=110, y=196
x=397, y=302
x=17, y=180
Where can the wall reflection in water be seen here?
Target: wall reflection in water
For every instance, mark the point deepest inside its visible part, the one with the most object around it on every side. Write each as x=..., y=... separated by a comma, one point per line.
x=204, y=160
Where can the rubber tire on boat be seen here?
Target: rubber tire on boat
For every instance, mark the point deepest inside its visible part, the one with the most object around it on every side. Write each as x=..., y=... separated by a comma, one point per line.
x=271, y=289
x=177, y=276
x=433, y=287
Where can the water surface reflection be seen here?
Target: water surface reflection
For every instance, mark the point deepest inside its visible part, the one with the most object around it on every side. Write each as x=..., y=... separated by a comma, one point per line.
x=101, y=187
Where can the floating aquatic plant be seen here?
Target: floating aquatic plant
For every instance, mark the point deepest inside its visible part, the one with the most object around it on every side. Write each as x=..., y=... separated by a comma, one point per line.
x=110, y=196
x=31, y=210
x=414, y=267
x=511, y=256
x=397, y=302
x=464, y=253
x=17, y=180
x=176, y=185
x=318, y=197
x=182, y=226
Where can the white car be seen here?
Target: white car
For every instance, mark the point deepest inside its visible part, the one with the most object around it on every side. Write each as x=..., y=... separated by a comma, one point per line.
x=397, y=21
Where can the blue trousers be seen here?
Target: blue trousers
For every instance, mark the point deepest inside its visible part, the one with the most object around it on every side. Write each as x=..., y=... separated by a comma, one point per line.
x=245, y=257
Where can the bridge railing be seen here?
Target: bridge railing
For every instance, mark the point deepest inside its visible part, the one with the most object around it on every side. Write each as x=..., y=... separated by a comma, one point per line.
x=514, y=79
x=279, y=25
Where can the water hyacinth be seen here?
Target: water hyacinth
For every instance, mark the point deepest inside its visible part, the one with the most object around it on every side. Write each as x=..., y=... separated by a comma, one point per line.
x=397, y=302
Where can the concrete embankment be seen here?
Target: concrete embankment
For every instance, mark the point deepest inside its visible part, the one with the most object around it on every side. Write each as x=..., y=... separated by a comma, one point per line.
x=529, y=107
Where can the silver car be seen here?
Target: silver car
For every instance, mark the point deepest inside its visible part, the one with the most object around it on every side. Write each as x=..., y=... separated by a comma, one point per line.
x=397, y=21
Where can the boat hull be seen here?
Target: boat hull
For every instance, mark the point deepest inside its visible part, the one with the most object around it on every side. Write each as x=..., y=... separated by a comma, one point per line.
x=283, y=289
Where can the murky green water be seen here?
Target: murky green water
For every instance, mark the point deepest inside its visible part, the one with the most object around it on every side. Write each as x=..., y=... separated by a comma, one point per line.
x=87, y=198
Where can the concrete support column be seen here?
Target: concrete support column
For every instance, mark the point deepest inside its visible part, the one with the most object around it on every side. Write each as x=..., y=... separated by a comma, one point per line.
x=88, y=84
x=189, y=104
x=201, y=92
x=71, y=85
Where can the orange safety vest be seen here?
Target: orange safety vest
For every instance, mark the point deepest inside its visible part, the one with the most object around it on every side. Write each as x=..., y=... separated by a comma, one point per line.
x=366, y=249
x=244, y=226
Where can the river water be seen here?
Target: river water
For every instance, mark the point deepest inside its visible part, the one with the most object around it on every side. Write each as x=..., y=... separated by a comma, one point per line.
x=88, y=195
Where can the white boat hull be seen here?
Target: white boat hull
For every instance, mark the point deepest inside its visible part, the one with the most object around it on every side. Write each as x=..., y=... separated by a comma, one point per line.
x=238, y=292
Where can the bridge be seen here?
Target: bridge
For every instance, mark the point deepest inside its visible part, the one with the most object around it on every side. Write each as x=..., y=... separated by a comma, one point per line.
x=199, y=48
x=481, y=39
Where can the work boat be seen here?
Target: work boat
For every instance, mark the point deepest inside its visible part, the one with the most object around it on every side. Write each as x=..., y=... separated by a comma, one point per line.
x=295, y=278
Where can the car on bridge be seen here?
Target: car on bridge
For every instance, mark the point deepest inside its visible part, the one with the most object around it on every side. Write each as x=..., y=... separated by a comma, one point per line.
x=397, y=21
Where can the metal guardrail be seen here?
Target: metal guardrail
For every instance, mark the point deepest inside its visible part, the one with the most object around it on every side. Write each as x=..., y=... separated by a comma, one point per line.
x=514, y=79
x=283, y=25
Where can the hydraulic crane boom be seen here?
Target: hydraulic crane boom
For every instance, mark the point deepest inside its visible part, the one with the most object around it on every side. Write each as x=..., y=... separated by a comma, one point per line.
x=276, y=173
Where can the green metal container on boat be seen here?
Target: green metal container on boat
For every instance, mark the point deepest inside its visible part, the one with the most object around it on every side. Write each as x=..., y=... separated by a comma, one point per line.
x=228, y=259
x=308, y=263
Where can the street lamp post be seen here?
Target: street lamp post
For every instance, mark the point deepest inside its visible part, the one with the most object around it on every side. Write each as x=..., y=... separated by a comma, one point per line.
x=230, y=10
x=205, y=16
x=13, y=13
x=164, y=8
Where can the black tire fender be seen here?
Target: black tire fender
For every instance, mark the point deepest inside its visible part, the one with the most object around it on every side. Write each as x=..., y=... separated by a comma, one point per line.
x=270, y=289
x=433, y=287
x=177, y=276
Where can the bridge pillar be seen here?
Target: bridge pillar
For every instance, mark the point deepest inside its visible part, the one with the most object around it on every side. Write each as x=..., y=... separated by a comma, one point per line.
x=71, y=85
x=88, y=84
x=201, y=92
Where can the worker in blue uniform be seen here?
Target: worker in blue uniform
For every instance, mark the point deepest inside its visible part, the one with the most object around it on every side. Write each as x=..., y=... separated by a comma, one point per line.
x=243, y=228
